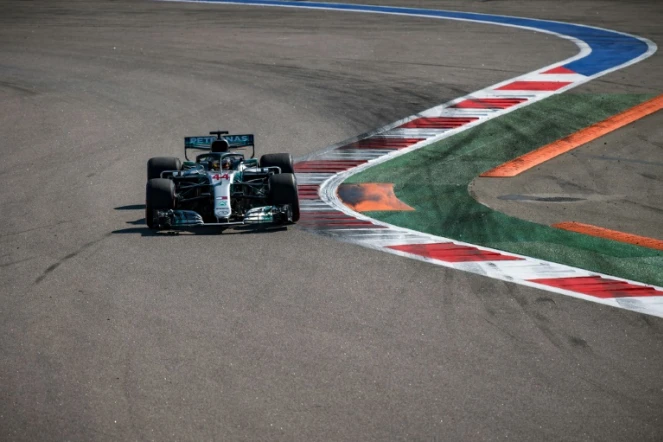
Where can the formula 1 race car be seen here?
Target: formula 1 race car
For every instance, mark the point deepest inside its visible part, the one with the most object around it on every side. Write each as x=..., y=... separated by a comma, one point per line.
x=221, y=187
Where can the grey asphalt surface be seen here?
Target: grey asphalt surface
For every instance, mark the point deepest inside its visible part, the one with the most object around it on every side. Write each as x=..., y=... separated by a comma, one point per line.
x=112, y=333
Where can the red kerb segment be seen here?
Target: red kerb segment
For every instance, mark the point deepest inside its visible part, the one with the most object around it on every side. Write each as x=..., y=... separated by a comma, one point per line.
x=308, y=191
x=333, y=219
x=438, y=122
x=319, y=215
x=534, y=86
x=559, y=70
x=328, y=166
x=452, y=252
x=383, y=143
x=488, y=103
x=600, y=287
x=336, y=222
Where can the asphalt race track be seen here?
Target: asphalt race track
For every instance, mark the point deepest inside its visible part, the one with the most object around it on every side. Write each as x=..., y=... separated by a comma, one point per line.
x=111, y=332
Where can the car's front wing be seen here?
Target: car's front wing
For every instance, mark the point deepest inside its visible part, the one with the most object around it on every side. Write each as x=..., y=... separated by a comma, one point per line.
x=266, y=215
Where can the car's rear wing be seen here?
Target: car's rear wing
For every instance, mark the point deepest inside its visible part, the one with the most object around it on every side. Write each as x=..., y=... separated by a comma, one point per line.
x=204, y=142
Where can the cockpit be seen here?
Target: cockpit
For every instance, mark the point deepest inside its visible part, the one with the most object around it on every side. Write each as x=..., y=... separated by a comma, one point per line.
x=220, y=161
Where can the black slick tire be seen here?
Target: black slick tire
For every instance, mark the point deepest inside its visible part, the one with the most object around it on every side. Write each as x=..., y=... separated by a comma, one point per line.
x=281, y=160
x=159, y=195
x=283, y=190
x=157, y=165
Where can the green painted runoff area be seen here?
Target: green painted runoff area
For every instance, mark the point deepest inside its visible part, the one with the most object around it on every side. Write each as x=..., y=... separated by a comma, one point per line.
x=434, y=180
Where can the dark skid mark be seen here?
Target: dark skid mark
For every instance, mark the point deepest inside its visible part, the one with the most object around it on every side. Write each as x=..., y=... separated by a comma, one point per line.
x=539, y=317
x=620, y=159
x=8, y=264
x=646, y=320
x=545, y=299
x=36, y=228
x=15, y=87
x=407, y=63
x=131, y=207
x=578, y=342
x=650, y=176
x=52, y=267
x=646, y=206
x=547, y=199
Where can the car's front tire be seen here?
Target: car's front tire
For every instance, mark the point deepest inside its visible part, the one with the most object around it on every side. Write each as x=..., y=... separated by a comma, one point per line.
x=157, y=165
x=281, y=160
x=159, y=195
x=283, y=190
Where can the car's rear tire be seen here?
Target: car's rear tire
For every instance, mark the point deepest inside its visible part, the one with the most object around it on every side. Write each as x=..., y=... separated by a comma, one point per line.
x=283, y=190
x=281, y=160
x=157, y=165
x=159, y=195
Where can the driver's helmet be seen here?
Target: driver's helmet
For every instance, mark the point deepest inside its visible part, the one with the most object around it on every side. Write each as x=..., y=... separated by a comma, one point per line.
x=214, y=165
x=227, y=164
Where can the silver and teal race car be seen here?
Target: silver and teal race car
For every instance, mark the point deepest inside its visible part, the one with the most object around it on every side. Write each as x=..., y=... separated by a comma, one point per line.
x=221, y=187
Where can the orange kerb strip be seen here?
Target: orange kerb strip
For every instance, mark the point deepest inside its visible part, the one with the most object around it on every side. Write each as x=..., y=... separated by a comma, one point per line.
x=563, y=145
x=371, y=197
x=588, y=229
